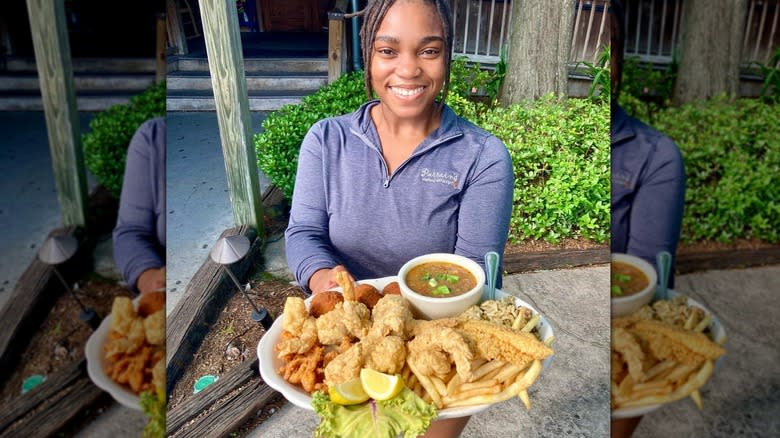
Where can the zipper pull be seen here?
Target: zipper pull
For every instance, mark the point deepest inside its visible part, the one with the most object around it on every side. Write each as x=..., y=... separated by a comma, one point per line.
x=387, y=183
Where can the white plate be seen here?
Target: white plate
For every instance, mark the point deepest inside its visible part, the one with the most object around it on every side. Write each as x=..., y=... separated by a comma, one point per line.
x=96, y=363
x=269, y=363
x=718, y=334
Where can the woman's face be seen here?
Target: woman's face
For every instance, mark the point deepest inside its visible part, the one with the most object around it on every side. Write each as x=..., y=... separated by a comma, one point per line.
x=407, y=64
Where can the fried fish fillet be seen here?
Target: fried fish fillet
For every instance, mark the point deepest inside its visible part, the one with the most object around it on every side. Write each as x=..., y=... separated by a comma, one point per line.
x=685, y=346
x=495, y=342
x=419, y=326
x=623, y=342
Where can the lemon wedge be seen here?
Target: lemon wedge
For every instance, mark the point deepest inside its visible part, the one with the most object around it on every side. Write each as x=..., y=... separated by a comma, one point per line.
x=380, y=386
x=348, y=393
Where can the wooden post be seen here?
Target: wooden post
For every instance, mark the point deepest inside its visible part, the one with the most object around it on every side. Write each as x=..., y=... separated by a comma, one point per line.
x=226, y=65
x=55, y=74
x=335, y=39
x=161, y=67
x=176, y=38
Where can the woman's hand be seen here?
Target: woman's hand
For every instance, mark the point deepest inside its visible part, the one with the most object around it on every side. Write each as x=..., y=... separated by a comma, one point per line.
x=151, y=280
x=325, y=279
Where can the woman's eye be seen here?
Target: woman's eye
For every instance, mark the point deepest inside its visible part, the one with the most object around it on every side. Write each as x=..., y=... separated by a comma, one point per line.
x=387, y=52
x=430, y=52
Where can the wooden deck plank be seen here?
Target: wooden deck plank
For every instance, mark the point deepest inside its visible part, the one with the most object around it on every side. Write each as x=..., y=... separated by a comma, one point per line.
x=231, y=413
x=48, y=407
x=542, y=260
x=194, y=405
x=726, y=259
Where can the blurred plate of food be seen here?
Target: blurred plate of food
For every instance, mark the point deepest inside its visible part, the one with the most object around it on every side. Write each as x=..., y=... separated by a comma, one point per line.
x=125, y=355
x=516, y=377
x=662, y=353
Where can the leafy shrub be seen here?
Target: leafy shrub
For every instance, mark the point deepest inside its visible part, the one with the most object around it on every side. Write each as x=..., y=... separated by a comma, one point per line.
x=770, y=90
x=646, y=89
x=560, y=151
x=470, y=81
x=105, y=145
x=599, y=74
x=283, y=130
x=732, y=163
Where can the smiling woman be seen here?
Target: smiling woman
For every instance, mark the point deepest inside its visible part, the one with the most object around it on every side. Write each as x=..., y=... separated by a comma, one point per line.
x=403, y=175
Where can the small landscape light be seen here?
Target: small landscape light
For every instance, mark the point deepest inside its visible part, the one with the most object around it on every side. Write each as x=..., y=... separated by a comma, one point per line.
x=229, y=250
x=56, y=250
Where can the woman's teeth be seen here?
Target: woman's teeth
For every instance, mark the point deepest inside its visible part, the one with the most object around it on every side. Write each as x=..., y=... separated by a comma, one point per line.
x=406, y=91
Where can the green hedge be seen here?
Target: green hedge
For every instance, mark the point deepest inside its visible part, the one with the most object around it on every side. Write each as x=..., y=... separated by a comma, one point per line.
x=560, y=151
x=283, y=130
x=732, y=163
x=105, y=145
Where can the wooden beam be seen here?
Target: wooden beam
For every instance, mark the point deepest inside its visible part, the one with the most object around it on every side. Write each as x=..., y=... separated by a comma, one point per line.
x=52, y=404
x=227, y=408
x=726, y=259
x=515, y=263
x=226, y=66
x=687, y=260
x=204, y=297
x=55, y=74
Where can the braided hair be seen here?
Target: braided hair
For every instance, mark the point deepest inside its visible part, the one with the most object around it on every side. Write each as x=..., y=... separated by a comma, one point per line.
x=373, y=15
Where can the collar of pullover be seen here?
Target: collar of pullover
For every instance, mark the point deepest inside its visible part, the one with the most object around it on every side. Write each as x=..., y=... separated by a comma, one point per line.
x=621, y=128
x=364, y=127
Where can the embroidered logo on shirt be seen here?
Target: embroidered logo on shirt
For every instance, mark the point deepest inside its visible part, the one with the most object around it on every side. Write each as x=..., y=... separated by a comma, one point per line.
x=437, y=176
x=621, y=178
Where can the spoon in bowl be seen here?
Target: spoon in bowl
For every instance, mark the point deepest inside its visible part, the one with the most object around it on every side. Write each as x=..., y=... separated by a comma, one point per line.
x=491, y=271
x=663, y=261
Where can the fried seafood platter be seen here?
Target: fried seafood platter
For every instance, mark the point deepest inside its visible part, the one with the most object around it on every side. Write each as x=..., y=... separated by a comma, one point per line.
x=663, y=352
x=125, y=355
x=492, y=352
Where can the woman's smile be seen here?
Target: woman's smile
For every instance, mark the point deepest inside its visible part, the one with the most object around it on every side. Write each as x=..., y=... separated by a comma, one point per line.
x=407, y=92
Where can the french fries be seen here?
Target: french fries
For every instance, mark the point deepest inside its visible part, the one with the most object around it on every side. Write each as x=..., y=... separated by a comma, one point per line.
x=677, y=360
x=492, y=381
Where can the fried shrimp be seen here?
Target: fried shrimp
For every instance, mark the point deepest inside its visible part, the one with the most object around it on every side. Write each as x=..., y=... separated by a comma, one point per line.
x=433, y=351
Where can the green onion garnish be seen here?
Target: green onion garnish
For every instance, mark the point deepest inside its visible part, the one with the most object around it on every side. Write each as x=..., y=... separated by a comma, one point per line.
x=441, y=290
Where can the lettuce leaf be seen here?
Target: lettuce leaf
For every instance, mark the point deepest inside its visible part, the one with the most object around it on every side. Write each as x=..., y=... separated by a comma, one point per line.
x=406, y=414
x=154, y=406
